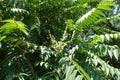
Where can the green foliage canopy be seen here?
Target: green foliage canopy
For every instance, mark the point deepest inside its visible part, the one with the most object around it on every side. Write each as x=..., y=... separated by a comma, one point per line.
x=58, y=40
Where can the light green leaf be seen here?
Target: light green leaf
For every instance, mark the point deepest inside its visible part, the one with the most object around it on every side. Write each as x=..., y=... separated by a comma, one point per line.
x=12, y=26
x=111, y=35
x=81, y=69
x=105, y=5
x=86, y=15
x=110, y=53
x=107, y=70
x=22, y=27
x=80, y=77
x=7, y=28
x=73, y=75
x=21, y=78
x=115, y=36
x=115, y=53
x=112, y=72
x=102, y=37
x=9, y=21
x=3, y=37
x=107, y=37
x=69, y=71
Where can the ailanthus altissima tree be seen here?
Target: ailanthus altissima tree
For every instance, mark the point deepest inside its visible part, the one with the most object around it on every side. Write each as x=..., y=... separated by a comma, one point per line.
x=58, y=40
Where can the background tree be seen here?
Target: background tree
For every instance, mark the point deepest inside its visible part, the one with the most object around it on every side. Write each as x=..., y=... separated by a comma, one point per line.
x=58, y=40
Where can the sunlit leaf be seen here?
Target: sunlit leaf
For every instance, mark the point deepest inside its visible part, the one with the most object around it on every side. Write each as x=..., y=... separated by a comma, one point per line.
x=115, y=53
x=22, y=27
x=3, y=37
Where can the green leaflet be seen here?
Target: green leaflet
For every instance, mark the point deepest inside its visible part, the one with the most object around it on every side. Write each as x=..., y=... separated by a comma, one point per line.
x=22, y=27
x=69, y=70
x=105, y=5
x=95, y=14
x=8, y=28
x=112, y=51
x=13, y=26
x=116, y=54
x=106, y=37
x=3, y=37
x=81, y=69
x=8, y=20
x=105, y=67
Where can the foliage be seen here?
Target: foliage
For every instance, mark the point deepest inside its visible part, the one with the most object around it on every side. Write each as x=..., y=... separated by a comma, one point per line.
x=58, y=40
x=115, y=22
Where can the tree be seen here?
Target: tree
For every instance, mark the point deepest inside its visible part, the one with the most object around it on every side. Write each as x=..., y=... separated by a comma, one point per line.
x=58, y=40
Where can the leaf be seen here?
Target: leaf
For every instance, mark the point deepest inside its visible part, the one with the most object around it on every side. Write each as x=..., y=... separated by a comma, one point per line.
x=18, y=10
x=73, y=75
x=69, y=71
x=84, y=20
x=107, y=70
x=81, y=69
x=9, y=21
x=21, y=78
x=3, y=37
x=111, y=35
x=80, y=77
x=11, y=26
x=99, y=39
x=115, y=53
x=105, y=5
x=7, y=28
x=94, y=14
x=22, y=27
x=115, y=36
x=110, y=53
x=107, y=37
x=102, y=37
x=69, y=24
x=95, y=61
x=112, y=72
